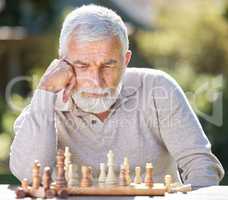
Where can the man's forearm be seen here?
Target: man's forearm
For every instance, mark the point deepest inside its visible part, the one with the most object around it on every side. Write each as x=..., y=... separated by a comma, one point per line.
x=201, y=170
x=184, y=137
x=35, y=137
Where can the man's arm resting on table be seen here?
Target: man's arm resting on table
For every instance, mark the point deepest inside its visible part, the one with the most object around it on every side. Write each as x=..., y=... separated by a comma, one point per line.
x=184, y=137
x=35, y=137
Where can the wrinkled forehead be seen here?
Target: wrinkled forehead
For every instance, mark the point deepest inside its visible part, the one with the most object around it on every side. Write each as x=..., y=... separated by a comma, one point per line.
x=99, y=51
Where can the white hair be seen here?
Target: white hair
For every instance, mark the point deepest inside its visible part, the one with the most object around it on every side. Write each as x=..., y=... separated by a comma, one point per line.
x=92, y=23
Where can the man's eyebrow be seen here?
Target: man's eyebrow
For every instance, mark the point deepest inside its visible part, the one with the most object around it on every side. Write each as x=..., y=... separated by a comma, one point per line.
x=111, y=61
x=79, y=62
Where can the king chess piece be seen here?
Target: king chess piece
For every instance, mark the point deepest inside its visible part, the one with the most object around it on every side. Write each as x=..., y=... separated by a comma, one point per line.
x=61, y=183
x=111, y=178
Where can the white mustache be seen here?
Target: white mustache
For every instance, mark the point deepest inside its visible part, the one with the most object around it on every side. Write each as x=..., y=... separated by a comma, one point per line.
x=96, y=104
x=99, y=91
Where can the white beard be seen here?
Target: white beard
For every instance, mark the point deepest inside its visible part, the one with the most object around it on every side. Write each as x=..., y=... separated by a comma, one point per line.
x=99, y=104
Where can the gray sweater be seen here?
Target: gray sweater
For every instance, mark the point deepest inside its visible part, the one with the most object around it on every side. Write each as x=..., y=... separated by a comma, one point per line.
x=151, y=121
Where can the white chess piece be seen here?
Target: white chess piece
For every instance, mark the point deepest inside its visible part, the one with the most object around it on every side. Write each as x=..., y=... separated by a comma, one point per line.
x=67, y=162
x=138, y=178
x=73, y=176
x=127, y=169
x=111, y=178
x=102, y=176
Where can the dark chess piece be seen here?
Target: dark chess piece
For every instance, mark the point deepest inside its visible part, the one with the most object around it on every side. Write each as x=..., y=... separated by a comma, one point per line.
x=123, y=178
x=49, y=193
x=61, y=183
x=149, y=175
x=20, y=193
x=86, y=176
x=36, y=179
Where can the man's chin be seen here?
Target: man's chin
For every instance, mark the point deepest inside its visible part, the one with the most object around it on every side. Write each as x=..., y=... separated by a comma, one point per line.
x=94, y=111
x=93, y=95
x=96, y=107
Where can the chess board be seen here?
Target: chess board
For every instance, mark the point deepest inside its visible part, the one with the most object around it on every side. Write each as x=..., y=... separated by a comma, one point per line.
x=139, y=190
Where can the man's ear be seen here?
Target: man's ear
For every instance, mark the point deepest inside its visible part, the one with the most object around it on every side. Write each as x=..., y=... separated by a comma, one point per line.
x=127, y=57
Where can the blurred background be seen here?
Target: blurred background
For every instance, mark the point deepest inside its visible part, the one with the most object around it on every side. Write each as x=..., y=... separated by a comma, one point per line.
x=188, y=39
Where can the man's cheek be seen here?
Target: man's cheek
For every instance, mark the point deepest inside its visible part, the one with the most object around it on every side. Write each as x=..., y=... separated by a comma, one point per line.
x=84, y=82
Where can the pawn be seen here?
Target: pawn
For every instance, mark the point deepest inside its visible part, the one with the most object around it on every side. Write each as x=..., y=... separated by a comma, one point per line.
x=102, y=176
x=122, y=177
x=47, y=178
x=25, y=184
x=36, y=179
x=127, y=170
x=49, y=193
x=90, y=174
x=168, y=182
x=86, y=177
x=138, y=178
x=149, y=175
x=73, y=175
x=20, y=193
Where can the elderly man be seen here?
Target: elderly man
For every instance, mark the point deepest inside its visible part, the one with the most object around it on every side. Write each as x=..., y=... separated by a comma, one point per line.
x=90, y=101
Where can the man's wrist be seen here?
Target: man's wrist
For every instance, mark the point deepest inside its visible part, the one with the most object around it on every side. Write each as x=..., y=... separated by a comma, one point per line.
x=48, y=88
x=43, y=101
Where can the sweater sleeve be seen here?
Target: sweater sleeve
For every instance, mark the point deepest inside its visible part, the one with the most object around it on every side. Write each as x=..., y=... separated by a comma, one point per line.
x=183, y=135
x=35, y=137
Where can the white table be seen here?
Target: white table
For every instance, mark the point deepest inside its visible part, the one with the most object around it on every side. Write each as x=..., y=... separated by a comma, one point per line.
x=7, y=192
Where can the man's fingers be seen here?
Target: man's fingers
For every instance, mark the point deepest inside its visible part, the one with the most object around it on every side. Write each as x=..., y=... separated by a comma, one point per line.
x=53, y=65
x=57, y=76
x=57, y=64
x=68, y=90
x=70, y=65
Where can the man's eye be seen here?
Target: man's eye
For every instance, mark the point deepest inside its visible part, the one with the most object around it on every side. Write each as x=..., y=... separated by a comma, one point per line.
x=81, y=66
x=107, y=66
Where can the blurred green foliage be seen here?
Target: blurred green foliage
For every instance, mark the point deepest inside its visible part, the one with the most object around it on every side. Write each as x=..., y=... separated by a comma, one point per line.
x=195, y=34
x=35, y=55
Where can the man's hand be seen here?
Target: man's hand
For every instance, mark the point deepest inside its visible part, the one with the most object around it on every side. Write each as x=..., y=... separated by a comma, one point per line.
x=58, y=76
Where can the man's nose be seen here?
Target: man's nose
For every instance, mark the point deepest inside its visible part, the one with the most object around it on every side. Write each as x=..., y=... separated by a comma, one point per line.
x=96, y=78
